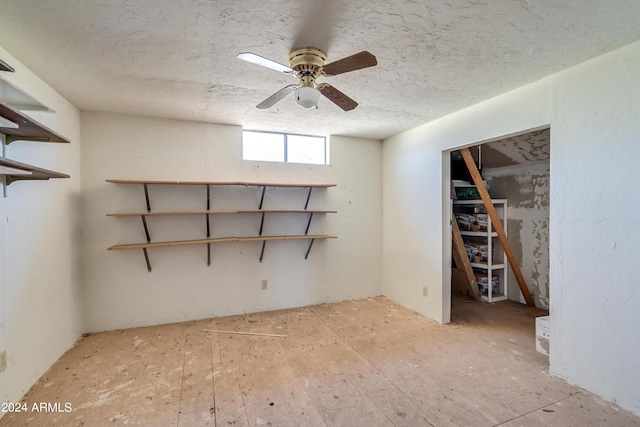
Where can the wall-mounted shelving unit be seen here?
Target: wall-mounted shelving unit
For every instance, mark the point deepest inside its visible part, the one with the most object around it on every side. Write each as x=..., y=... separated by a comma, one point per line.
x=208, y=212
x=17, y=126
x=493, y=264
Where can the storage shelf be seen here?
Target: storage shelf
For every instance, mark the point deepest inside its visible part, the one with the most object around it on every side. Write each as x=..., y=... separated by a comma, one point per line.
x=478, y=201
x=485, y=266
x=231, y=183
x=27, y=172
x=217, y=240
x=209, y=212
x=487, y=238
x=28, y=130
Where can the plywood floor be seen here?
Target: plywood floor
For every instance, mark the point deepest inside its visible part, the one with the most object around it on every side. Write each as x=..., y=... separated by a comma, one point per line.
x=358, y=363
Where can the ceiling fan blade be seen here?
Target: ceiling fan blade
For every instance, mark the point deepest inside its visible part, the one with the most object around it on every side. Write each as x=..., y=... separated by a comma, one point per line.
x=337, y=97
x=265, y=62
x=270, y=101
x=360, y=60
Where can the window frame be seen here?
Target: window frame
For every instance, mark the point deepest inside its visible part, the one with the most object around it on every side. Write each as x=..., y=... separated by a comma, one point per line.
x=286, y=135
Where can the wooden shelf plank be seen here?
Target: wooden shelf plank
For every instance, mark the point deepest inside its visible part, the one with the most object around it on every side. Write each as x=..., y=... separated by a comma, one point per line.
x=214, y=240
x=291, y=237
x=35, y=172
x=238, y=183
x=205, y=212
x=159, y=213
x=171, y=243
x=285, y=211
x=29, y=129
x=5, y=170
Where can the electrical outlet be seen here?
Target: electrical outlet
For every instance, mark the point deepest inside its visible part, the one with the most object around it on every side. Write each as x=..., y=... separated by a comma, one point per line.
x=265, y=285
x=425, y=291
x=3, y=361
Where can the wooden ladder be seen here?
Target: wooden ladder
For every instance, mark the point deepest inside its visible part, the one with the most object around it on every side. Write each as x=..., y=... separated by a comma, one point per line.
x=497, y=225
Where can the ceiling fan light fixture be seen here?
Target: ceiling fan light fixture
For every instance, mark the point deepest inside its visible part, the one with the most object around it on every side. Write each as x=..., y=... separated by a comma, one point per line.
x=307, y=96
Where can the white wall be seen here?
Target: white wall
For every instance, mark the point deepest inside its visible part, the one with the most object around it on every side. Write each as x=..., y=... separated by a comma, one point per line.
x=120, y=293
x=593, y=111
x=40, y=290
x=526, y=186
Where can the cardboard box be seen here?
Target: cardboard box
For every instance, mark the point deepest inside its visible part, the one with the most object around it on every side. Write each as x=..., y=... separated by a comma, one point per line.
x=483, y=284
x=465, y=221
x=477, y=251
x=481, y=221
x=543, y=334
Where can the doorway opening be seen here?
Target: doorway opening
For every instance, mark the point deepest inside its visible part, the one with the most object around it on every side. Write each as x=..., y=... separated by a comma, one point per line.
x=516, y=172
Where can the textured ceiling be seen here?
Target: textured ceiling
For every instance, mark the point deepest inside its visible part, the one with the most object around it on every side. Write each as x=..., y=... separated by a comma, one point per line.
x=177, y=58
x=529, y=148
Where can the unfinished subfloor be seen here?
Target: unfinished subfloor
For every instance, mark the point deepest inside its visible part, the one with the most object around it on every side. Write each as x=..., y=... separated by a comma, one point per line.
x=358, y=363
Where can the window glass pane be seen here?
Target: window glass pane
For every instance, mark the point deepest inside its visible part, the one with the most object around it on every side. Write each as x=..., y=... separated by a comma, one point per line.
x=267, y=147
x=306, y=149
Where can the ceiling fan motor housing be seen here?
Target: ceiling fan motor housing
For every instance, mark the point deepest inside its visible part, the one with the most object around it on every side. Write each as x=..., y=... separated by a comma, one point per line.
x=307, y=62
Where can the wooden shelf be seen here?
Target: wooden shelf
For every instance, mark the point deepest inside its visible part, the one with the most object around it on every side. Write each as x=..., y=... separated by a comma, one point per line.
x=208, y=240
x=237, y=183
x=205, y=212
x=27, y=172
x=216, y=240
x=485, y=266
x=28, y=128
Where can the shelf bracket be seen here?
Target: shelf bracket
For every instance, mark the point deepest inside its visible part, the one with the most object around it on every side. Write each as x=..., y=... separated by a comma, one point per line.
x=146, y=196
x=309, y=223
x=208, y=243
x=11, y=179
x=146, y=233
x=309, y=249
x=11, y=139
x=264, y=243
x=308, y=197
x=146, y=229
x=146, y=258
x=261, y=224
x=264, y=189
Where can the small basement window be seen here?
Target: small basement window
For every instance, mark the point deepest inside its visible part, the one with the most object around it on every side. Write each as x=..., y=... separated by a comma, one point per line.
x=284, y=147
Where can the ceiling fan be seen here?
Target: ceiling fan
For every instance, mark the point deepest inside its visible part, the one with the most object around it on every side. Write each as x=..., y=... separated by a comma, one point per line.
x=307, y=64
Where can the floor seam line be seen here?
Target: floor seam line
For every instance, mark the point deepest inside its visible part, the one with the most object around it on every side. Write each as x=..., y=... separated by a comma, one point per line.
x=213, y=383
x=184, y=364
x=533, y=410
